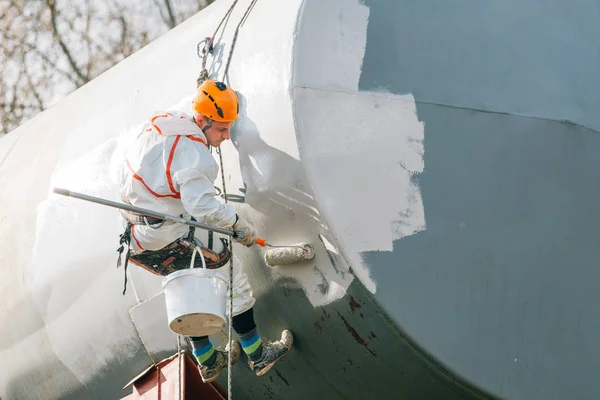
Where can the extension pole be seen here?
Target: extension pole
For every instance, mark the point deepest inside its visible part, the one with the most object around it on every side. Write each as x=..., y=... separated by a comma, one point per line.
x=237, y=234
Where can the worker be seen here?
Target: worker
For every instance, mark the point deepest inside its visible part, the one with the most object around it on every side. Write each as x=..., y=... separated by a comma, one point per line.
x=169, y=168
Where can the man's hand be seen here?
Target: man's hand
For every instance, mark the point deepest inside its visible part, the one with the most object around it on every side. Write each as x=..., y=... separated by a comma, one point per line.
x=249, y=231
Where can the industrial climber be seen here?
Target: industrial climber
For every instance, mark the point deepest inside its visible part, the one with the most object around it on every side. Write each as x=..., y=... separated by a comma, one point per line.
x=170, y=169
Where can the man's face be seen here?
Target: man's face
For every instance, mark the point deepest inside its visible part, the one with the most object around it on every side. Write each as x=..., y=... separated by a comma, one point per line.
x=217, y=133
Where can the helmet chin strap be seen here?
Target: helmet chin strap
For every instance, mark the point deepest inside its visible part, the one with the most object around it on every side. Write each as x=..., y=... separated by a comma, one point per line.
x=207, y=126
x=208, y=123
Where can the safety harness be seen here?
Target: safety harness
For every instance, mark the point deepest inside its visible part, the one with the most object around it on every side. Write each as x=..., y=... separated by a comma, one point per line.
x=173, y=257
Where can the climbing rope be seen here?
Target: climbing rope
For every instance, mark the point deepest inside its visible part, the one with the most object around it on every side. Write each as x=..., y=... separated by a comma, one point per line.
x=209, y=43
x=230, y=318
x=180, y=363
x=235, y=35
x=209, y=46
x=158, y=387
x=208, y=49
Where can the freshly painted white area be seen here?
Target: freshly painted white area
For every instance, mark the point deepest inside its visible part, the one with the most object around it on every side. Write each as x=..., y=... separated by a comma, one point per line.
x=341, y=148
x=71, y=284
x=65, y=249
x=73, y=277
x=150, y=323
x=8, y=141
x=330, y=44
x=82, y=151
x=342, y=132
x=264, y=157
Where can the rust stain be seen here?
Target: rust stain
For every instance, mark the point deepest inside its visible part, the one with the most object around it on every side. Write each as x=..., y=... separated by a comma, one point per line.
x=269, y=393
x=325, y=315
x=318, y=327
x=372, y=335
x=355, y=334
x=282, y=378
x=353, y=304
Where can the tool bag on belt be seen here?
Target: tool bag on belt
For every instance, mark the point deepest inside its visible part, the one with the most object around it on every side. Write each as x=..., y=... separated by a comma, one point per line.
x=173, y=257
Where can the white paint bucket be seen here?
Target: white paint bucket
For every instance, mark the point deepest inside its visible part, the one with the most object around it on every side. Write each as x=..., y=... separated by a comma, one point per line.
x=196, y=299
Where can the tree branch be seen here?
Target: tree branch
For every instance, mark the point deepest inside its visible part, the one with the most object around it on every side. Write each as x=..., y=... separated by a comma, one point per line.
x=172, y=21
x=82, y=78
x=31, y=85
x=45, y=58
x=169, y=20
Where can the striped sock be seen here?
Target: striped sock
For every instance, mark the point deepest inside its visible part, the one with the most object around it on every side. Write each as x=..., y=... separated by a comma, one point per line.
x=252, y=344
x=203, y=350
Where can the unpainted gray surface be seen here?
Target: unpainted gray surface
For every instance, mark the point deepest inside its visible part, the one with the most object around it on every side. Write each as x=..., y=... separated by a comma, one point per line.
x=536, y=58
x=501, y=286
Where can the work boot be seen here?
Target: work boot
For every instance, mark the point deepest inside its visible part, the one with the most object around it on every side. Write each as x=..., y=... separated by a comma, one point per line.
x=210, y=374
x=271, y=353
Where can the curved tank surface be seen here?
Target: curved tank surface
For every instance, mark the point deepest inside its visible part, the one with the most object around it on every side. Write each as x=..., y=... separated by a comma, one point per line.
x=443, y=159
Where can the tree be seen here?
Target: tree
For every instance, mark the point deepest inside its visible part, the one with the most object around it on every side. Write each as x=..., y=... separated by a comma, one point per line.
x=49, y=48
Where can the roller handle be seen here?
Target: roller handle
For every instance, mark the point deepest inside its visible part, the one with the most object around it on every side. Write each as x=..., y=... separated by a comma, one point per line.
x=237, y=234
x=261, y=242
x=61, y=191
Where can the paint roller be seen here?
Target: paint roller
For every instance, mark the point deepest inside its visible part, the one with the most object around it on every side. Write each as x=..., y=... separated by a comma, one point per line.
x=276, y=255
x=286, y=255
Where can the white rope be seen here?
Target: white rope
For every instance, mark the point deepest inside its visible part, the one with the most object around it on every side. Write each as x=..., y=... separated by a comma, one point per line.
x=180, y=365
x=235, y=35
x=203, y=76
x=180, y=359
x=230, y=317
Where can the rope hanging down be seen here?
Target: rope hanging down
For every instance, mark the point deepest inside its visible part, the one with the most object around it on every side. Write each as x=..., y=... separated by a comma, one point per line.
x=208, y=49
x=230, y=318
x=209, y=43
x=235, y=35
x=180, y=365
x=209, y=46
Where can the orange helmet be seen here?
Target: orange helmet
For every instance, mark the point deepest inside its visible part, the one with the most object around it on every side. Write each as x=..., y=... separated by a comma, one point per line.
x=216, y=101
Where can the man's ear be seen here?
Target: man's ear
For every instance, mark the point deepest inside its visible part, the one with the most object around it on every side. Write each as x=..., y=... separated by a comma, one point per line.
x=200, y=120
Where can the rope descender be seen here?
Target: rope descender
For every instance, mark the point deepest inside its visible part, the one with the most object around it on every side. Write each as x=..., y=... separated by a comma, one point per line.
x=207, y=49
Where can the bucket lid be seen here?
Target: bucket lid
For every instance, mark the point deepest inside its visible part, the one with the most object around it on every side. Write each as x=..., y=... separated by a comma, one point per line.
x=200, y=272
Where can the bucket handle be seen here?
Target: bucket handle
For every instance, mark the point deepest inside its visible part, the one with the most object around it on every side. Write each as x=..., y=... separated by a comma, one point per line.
x=197, y=249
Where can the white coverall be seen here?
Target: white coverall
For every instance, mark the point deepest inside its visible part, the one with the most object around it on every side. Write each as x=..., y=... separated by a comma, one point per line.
x=169, y=169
